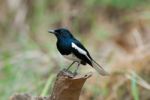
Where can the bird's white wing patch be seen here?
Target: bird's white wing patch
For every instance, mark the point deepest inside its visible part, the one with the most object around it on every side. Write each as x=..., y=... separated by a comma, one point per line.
x=80, y=50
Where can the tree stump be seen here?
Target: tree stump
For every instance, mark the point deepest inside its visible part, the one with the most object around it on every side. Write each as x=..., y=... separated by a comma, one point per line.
x=67, y=87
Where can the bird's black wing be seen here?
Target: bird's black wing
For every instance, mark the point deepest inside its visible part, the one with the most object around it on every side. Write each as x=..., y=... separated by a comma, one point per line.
x=80, y=51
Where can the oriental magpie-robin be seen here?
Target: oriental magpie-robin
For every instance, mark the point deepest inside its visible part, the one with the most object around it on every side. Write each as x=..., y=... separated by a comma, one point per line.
x=73, y=50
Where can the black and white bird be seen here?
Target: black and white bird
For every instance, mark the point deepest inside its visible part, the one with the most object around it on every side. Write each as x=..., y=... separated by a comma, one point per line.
x=73, y=50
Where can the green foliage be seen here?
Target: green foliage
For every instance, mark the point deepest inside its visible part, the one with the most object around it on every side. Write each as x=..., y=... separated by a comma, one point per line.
x=15, y=77
x=120, y=4
x=48, y=84
x=134, y=88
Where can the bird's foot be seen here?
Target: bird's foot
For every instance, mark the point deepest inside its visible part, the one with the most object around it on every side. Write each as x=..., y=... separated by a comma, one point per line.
x=75, y=73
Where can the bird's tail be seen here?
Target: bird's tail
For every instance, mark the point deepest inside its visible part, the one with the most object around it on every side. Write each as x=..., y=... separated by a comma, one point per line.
x=99, y=68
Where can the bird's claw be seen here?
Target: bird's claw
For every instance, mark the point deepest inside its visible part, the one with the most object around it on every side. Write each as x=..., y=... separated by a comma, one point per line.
x=75, y=73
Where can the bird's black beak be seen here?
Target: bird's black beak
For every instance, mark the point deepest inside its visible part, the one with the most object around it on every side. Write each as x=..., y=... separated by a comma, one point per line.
x=52, y=31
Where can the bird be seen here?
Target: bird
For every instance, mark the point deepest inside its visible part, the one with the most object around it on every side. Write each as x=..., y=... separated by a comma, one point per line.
x=73, y=49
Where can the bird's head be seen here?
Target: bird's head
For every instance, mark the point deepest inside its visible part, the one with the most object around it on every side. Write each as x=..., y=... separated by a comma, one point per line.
x=61, y=33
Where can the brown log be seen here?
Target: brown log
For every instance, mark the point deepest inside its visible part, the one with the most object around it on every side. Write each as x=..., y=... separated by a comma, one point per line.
x=67, y=87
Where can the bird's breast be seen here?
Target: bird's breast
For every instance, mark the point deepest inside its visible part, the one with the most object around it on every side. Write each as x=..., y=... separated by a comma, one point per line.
x=72, y=57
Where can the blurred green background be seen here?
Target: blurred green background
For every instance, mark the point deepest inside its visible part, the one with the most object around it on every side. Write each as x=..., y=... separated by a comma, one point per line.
x=116, y=33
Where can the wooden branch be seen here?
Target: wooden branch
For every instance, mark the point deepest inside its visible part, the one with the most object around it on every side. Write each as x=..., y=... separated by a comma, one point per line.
x=67, y=87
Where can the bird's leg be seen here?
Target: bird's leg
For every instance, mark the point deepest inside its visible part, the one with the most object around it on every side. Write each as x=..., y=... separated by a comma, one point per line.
x=70, y=65
x=75, y=72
